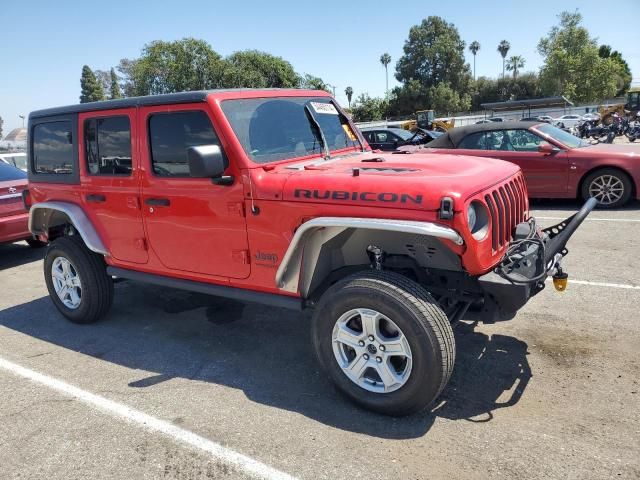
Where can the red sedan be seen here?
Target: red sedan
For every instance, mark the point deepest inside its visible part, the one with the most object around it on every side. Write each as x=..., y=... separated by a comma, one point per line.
x=555, y=163
x=13, y=216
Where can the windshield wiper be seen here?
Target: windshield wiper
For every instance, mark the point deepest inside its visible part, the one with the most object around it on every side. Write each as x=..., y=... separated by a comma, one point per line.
x=325, y=147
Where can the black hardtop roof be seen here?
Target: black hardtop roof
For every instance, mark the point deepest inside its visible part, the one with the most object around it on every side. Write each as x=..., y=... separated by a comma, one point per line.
x=453, y=137
x=130, y=102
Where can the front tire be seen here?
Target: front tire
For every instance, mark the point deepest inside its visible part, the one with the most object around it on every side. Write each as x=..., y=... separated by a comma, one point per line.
x=77, y=280
x=610, y=187
x=384, y=342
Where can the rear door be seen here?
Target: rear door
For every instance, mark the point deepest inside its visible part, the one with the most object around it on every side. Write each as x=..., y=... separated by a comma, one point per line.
x=110, y=166
x=193, y=225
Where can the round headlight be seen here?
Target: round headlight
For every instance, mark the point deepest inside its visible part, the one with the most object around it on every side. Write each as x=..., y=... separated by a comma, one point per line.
x=472, y=216
x=478, y=219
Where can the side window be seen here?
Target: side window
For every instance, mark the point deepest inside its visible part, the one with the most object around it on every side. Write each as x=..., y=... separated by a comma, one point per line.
x=53, y=148
x=524, y=140
x=108, y=145
x=382, y=137
x=368, y=136
x=171, y=134
x=475, y=141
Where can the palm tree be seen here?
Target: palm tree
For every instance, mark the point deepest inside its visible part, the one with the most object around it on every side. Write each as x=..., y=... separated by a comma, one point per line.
x=503, y=48
x=515, y=63
x=385, y=60
x=473, y=48
x=349, y=93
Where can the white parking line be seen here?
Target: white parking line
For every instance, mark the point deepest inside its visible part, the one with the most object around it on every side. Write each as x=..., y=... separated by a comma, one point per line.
x=592, y=219
x=224, y=455
x=603, y=284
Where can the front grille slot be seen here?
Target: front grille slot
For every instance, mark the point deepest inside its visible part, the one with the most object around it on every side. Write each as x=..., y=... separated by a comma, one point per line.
x=506, y=205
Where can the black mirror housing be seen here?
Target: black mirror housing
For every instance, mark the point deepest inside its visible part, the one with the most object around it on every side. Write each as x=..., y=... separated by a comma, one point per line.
x=206, y=161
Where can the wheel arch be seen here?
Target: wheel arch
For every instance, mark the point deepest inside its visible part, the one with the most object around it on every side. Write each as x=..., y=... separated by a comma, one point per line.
x=584, y=176
x=46, y=216
x=326, y=244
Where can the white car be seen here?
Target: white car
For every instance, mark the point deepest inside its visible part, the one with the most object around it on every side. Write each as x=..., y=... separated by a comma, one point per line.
x=18, y=160
x=569, y=121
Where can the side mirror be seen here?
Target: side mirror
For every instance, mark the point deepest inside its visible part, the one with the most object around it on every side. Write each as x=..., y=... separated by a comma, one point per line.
x=207, y=161
x=547, y=149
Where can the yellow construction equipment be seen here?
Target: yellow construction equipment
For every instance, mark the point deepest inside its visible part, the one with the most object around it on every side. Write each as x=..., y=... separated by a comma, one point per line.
x=630, y=108
x=425, y=120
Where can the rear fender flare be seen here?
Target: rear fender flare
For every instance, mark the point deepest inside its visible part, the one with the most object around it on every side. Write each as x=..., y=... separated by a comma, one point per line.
x=46, y=215
x=302, y=264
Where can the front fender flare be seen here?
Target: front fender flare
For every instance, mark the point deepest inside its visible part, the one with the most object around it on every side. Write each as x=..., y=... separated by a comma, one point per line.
x=44, y=215
x=310, y=236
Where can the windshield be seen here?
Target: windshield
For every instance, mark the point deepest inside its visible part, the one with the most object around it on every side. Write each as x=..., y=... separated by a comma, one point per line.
x=272, y=129
x=561, y=136
x=403, y=134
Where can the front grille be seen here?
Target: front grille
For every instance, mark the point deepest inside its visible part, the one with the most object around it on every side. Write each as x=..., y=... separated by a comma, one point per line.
x=507, y=207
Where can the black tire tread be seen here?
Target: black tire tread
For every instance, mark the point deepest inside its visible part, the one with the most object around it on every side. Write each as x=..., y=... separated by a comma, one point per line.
x=92, y=265
x=423, y=301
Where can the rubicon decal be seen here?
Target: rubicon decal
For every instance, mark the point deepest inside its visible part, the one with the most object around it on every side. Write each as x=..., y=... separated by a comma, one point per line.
x=388, y=197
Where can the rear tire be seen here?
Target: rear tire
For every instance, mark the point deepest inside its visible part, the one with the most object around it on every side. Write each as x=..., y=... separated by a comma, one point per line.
x=77, y=280
x=618, y=183
x=358, y=364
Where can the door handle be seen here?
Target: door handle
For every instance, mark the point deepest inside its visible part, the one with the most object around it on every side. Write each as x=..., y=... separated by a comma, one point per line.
x=94, y=197
x=157, y=202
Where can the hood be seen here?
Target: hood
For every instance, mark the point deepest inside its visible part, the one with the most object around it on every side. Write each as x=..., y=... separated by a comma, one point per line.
x=414, y=181
x=629, y=150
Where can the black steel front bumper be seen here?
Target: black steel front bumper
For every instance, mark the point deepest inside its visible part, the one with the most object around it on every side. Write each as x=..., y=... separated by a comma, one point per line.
x=522, y=272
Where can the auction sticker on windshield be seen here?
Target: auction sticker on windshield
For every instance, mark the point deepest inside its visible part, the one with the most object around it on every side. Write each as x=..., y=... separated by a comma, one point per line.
x=324, y=108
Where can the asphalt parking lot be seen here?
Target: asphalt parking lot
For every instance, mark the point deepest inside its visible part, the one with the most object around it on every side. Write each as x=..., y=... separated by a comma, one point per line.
x=550, y=394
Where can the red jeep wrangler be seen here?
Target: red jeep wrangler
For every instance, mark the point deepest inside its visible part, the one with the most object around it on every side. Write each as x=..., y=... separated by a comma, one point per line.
x=273, y=196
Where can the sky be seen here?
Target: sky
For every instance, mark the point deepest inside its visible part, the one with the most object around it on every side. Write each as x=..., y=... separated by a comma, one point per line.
x=44, y=44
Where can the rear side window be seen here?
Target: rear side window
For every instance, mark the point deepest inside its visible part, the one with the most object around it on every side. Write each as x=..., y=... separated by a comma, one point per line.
x=108, y=145
x=171, y=134
x=53, y=151
x=9, y=172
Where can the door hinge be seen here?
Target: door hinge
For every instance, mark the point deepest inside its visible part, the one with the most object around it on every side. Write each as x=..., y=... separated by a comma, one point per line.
x=236, y=208
x=240, y=256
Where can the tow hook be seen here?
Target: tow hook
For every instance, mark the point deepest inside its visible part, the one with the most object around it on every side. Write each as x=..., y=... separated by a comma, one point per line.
x=560, y=280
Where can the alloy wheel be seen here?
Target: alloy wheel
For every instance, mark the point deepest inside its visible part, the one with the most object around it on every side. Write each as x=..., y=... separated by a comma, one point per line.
x=607, y=189
x=66, y=282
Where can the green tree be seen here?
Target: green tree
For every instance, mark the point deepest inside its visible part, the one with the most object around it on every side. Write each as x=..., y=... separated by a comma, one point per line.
x=313, y=83
x=514, y=64
x=572, y=64
x=624, y=76
x=503, y=49
x=90, y=88
x=349, y=93
x=1, y=124
x=474, y=48
x=445, y=100
x=434, y=53
x=114, y=86
x=385, y=60
x=256, y=69
x=166, y=67
x=367, y=109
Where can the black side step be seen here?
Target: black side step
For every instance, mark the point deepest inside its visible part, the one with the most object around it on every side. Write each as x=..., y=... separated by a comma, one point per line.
x=271, y=299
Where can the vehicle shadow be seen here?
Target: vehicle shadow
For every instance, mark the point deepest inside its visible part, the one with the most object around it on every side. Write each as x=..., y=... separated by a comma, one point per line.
x=574, y=204
x=265, y=352
x=16, y=254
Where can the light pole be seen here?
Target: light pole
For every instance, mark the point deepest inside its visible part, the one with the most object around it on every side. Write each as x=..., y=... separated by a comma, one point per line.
x=22, y=117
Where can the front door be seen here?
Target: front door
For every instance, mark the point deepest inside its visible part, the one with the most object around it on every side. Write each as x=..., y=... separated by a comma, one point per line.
x=192, y=224
x=546, y=176
x=110, y=187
